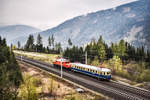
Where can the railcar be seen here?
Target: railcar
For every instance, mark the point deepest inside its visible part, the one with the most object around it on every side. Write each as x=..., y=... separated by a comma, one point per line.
x=102, y=73
x=65, y=62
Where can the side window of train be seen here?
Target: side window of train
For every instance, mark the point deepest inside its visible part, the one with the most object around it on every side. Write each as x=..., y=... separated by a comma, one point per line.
x=102, y=73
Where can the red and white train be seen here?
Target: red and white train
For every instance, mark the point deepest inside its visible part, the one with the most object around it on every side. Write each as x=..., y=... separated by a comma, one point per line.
x=103, y=73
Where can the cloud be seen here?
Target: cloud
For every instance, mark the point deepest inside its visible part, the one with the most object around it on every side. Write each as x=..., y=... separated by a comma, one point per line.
x=49, y=13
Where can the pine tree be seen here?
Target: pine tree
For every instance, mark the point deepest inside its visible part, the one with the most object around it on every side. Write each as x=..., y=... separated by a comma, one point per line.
x=121, y=49
x=69, y=42
x=101, y=49
x=39, y=45
x=52, y=40
x=49, y=41
x=39, y=40
x=18, y=44
x=30, y=43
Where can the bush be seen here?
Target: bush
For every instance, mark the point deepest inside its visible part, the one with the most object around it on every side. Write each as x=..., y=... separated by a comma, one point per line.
x=115, y=64
x=145, y=76
x=28, y=89
x=124, y=74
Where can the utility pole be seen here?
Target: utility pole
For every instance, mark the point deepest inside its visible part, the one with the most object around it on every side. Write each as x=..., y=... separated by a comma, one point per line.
x=61, y=65
x=86, y=57
x=21, y=57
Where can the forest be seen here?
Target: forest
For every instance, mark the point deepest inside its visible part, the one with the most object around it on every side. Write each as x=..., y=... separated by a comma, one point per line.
x=10, y=75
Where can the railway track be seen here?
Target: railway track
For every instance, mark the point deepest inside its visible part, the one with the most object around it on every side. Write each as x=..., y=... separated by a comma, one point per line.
x=112, y=89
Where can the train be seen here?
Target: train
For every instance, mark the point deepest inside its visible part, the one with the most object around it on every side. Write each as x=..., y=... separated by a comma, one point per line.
x=94, y=71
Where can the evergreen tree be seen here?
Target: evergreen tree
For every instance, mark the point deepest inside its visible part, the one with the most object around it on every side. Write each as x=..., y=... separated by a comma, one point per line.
x=122, y=49
x=0, y=40
x=101, y=49
x=39, y=40
x=4, y=42
x=49, y=41
x=52, y=40
x=39, y=45
x=69, y=42
x=30, y=43
x=58, y=47
x=18, y=44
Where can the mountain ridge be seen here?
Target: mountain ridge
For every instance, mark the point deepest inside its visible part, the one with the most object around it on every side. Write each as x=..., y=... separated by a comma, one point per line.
x=113, y=24
x=13, y=33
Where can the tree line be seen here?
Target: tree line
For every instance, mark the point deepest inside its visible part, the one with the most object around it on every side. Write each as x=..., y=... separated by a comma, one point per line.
x=101, y=51
x=53, y=47
x=10, y=75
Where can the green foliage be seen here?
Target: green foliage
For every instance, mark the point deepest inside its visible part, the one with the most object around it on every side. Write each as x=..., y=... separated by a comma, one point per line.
x=58, y=47
x=115, y=64
x=30, y=43
x=119, y=49
x=28, y=89
x=101, y=49
x=18, y=44
x=75, y=54
x=95, y=62
x=49, y=41
x=10, y=76
x=69, y=42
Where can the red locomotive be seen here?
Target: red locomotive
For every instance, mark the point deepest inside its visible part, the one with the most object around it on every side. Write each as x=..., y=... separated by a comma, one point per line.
x=65, y=62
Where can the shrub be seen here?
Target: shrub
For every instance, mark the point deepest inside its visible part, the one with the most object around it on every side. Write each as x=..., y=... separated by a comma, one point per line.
x=28, y=89
x=145, y=76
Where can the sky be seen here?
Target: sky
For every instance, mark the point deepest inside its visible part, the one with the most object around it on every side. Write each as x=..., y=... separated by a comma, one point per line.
x=45, y=14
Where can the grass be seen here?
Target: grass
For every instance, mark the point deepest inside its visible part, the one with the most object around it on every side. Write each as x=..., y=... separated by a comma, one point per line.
x=49, y=58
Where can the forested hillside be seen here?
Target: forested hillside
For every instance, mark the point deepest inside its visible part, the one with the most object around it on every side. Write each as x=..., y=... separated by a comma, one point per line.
x=10, y=76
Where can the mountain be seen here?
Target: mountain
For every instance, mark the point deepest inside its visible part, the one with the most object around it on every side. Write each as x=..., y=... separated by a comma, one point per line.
x=14, y=33
x=130, y=22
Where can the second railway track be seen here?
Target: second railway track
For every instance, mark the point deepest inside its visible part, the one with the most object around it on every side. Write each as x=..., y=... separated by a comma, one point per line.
x=112, y=89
